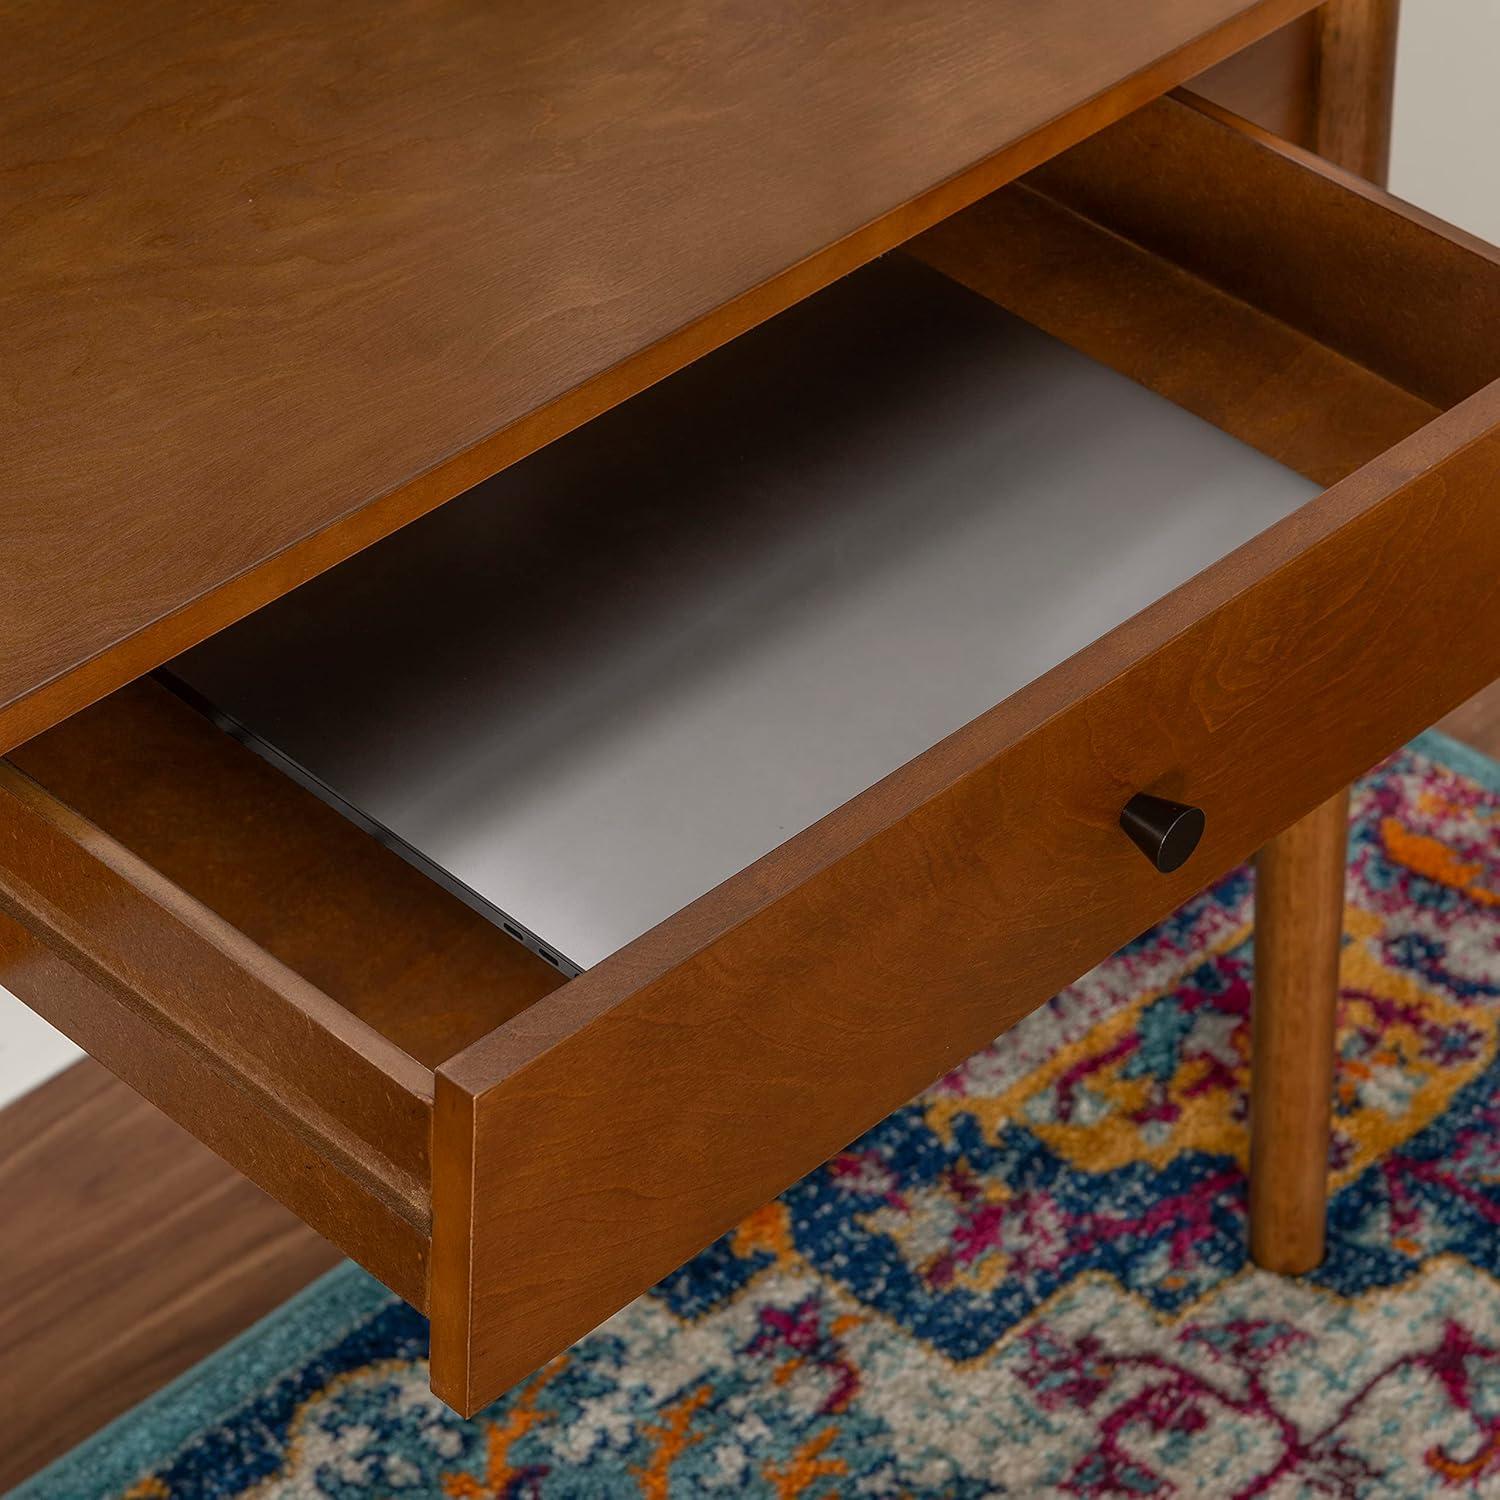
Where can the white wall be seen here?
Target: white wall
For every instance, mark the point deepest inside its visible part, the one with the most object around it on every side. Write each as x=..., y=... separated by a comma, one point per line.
x=1445, y=157
x=1447, y=120
x=30, y=1050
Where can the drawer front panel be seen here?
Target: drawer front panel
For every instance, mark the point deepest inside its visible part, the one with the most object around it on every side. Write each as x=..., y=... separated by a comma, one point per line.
x=587, y=1148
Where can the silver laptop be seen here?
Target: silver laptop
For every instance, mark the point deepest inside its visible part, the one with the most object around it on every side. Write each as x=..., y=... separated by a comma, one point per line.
x=595, y=686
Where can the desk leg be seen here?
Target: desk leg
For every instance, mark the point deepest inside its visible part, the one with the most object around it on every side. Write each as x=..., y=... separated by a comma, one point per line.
x=1299, y=908
x=1355, y=83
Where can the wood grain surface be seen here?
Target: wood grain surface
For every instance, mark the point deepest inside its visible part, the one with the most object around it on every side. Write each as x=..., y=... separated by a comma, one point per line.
x=775, y=1018
x=128, y=1252
x=281, y=278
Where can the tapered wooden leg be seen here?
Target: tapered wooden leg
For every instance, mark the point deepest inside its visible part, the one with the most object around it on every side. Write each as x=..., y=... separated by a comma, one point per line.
x=1299, y=909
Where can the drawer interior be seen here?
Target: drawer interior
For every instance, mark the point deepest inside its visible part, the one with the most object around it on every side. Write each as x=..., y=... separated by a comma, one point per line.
x=603, y=683
x=1307, y=315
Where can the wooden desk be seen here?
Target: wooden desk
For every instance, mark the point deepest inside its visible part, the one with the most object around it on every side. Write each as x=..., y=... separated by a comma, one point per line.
x=282, y=288
x=281, y=281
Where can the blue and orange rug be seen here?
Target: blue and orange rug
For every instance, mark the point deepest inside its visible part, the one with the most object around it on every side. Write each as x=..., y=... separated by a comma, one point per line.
x=1030, y=1281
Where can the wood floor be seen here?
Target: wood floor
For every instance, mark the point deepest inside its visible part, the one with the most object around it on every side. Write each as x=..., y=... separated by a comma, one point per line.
x=128, y=1251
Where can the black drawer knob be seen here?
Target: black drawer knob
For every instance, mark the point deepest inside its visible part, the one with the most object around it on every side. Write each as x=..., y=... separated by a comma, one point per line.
x=1165, y=832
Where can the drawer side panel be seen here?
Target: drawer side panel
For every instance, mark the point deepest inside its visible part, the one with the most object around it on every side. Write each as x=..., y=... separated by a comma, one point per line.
x=365, y=1224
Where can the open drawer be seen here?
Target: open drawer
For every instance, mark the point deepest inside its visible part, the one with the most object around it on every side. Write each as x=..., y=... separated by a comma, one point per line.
x=520, y=1155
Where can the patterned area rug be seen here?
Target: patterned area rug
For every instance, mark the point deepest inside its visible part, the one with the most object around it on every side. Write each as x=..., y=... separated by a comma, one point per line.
x=1030, y=1281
